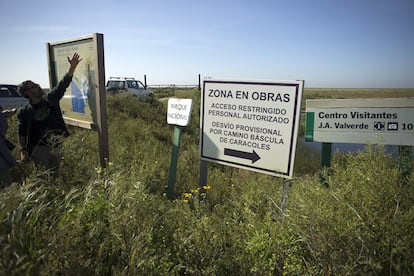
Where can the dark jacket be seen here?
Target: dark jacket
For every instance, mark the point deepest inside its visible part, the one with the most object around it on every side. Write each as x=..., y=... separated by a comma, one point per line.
x=25, y=114
x=6, y=158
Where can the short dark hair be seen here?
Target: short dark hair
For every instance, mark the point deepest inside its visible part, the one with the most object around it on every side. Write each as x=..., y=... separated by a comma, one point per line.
x=26, y=85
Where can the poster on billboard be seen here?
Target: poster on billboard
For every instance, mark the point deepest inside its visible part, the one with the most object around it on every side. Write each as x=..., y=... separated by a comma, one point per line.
x=80, y=103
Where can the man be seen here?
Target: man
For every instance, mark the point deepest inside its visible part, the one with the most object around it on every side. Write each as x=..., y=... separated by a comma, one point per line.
x=40, y=123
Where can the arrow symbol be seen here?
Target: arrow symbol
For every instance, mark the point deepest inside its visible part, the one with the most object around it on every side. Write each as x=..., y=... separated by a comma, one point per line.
x=242, y=154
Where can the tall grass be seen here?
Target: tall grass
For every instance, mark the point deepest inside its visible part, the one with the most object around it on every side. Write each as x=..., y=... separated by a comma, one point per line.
x=118, y=221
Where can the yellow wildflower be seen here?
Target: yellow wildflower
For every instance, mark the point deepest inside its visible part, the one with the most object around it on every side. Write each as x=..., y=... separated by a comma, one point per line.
x=188, y=195
x=207, y=187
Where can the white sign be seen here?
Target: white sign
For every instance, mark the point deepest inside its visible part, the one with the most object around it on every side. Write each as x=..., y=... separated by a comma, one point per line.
x=251, y=124
x=179, y=111
x=388, y=121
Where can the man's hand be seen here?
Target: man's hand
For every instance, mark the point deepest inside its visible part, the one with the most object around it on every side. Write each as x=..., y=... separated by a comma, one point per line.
x=74, y=61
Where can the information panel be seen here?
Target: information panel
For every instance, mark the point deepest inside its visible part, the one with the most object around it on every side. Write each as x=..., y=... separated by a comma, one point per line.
x=251, y=125
x=388, y=121
x=84, y=102
x=79, y=103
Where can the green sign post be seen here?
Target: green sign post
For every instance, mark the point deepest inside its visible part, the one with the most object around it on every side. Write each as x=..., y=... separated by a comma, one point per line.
x=405, y=168
x=178, y=114
x=174, y=162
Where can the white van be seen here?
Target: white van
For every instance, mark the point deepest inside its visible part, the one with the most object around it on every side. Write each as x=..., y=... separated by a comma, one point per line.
x=128, y=86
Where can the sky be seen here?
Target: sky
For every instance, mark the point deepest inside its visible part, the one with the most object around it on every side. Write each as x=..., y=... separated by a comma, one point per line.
x=326, y=43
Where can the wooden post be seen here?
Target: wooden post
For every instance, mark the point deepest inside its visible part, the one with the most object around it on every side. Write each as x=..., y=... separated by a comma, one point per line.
x=101, y=115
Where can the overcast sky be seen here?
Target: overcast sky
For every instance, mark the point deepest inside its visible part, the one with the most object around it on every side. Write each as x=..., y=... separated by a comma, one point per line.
x=327, y=43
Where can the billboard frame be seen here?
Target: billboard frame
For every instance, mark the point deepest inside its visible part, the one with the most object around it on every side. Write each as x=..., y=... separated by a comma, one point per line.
x=99, y=115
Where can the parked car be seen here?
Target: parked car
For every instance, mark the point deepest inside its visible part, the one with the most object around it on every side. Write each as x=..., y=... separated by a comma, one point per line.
x=10, y=97
x=128, y=86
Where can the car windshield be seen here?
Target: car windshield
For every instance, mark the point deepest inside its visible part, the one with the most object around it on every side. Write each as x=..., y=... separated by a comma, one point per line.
x=13, y=91
x=140, y=85
x=9, y=91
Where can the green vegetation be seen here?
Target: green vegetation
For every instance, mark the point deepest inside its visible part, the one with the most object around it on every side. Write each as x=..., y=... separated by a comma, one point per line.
x=118, y=221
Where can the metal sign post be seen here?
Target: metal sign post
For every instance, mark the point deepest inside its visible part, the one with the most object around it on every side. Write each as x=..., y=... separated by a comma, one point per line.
x=326, y=156
x=178, y=114
x=405, y=168
x=174, y=161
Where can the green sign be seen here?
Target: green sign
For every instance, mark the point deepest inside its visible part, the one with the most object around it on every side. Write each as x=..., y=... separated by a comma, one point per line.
x=388, y=121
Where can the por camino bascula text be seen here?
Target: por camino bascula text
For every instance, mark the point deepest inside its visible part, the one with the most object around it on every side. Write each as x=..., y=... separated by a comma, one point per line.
x=245, y=135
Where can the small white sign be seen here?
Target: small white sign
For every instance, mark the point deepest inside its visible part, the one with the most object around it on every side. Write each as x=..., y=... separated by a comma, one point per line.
x=387, y=121
x=179, y=111
x=251, y=124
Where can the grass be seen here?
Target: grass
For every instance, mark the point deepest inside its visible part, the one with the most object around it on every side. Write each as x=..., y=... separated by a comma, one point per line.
x=118, y=221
